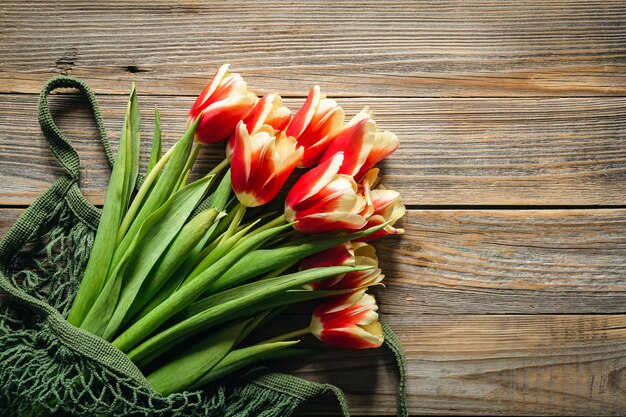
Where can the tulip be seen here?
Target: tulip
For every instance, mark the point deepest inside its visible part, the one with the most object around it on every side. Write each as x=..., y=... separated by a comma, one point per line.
x=261, y=163
x=323, y=200
x=346, y=254
x=221, y=105
x=269, y=110
x=363, y=144
x=315, y=125
x=382, y=206
x=348, y=321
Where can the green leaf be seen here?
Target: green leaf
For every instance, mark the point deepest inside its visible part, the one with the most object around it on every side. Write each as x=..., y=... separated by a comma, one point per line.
x=229, y=305
x=132, y=129
x=264, y=260
x=222, y=193
x=105, y=305
x=240, y=358
x=288, y=297
x=174, y=256
x=184, y=175
x=219, y=198
x=155, y=152
x=191, y=364
x=155, y=235
x=176, y=280
x=213, y=253
x=188, y=293
x=159, y=192
x=104, y=245
x=185, y=271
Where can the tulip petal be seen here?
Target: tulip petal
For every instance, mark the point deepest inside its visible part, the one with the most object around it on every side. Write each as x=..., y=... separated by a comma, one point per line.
x=313, y=181
x=325, y=222
x=317, y=137
x=385, y=143
x=303, y=117
x=204, y=96
x=353, y=338
x=261, y=163
x=341, y=255
x=356, y=140
x=219, y=120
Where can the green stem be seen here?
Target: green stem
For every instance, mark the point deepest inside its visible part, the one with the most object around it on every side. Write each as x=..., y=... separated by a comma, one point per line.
x=278, y=221
x=219, y=167
x=287, y=336
x=232, y=228
x=141, y=194
x=191, y=159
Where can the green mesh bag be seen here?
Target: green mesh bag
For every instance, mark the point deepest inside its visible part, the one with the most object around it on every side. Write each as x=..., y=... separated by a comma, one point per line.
x=50, y=368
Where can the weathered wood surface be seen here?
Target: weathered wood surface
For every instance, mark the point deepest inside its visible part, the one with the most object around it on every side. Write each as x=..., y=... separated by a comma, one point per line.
x=510, y=310
x=489, y=365
x=499, y=261
x=391, y=48
x=563, y=151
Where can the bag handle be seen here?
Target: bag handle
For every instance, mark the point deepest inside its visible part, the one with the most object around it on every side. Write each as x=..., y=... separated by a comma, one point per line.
x=60, y=145
x=393, y=343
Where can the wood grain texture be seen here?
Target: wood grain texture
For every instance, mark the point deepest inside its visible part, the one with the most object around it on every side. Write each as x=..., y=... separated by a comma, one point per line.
x=391, y=48
x=526, y=151
x=506, y=261
x=487, y=365
x=8, y=216
x=498, y=261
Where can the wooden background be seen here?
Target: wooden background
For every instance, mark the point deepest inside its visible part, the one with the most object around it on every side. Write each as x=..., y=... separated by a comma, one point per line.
x=508, y=290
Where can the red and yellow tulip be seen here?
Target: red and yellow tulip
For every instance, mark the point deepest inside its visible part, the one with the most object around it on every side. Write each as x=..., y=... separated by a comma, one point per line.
x=269, y=110
x=323, y=200
x=348, y=321
x=315, y=125
x=261, y=163
x=363, y=144
x=220, y=106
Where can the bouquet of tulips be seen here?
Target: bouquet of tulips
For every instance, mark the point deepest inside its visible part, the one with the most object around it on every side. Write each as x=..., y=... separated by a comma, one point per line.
x=181, y=273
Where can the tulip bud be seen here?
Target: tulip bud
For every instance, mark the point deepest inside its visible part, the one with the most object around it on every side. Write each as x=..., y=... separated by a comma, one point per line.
x=315, y=125
x=349, y=254
x=221, y=105
x=322, y=200
x=261, y=163
x=348, y=321
x=363, y=144
x=269, y=110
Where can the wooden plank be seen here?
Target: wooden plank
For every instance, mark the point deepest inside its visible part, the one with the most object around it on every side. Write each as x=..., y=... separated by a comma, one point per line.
x=499, y=261
x=8, y=217
x=400, y=48
x=486, y=365
x=506, y=261
x=526, y=151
